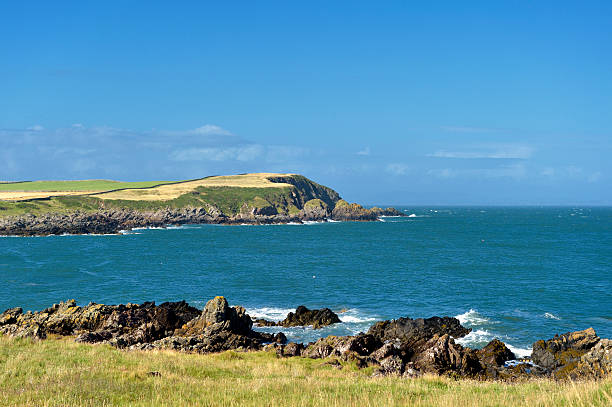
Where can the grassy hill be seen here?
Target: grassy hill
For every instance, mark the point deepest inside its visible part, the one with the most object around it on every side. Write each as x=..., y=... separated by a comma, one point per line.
x=287, y=193
x=61, y=372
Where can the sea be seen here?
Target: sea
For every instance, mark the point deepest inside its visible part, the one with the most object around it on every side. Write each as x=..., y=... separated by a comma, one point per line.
x=518, y=274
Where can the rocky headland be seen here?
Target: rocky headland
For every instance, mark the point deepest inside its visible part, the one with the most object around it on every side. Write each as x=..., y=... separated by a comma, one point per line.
x=404, y=346
x=298, y=200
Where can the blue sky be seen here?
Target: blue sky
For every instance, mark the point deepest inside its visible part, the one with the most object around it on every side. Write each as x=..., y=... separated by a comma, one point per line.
x=387, y=102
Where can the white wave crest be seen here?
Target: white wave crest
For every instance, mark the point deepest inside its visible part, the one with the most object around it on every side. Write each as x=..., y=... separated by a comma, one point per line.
x=519, y=352
x=551, y=316
x=472, y=317
x=269, y=313
x=412, y=215
x=353, y=316
x=477, y=338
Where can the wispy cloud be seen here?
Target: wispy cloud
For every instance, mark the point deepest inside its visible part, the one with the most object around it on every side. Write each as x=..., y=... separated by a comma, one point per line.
x=79, y=151
x=571, y=172
x=365, y=151
x=397, y=168
x=515, y=171
x=497, y=152
x=243, y=153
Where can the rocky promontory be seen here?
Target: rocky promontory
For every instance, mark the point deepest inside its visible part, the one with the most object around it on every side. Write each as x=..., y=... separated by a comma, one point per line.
x=296, y=200
x=406, y=347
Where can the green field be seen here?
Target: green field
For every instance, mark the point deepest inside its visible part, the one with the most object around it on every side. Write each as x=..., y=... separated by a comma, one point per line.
x=59, y=372
x=82, y=185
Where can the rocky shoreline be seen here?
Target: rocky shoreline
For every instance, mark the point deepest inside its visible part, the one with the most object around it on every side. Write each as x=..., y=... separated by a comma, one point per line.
x=404, y=346
x=116, y=220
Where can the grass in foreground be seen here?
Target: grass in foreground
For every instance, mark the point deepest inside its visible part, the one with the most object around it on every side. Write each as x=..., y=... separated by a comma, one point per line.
x=59, y=372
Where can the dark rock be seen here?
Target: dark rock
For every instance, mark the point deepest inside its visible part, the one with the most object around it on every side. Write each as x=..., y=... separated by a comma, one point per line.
x=280, y=338
x=442, y=355
x=344, y=211
x=293, y=349
x=304, y=316
x=496, y=353
x=94, y=337
x=387, y=212
x=10, y=316
x=563, y=349
x=596, y=363
x=361, y=345
x=264, y=322
x=411, y=335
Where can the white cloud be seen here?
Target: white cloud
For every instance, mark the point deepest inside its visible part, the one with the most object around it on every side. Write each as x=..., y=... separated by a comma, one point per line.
x=496, y=152
x=211, y=129
x=505, y=171
x=36, y=127
x=365, y=151
x=397, y=169
x=243, y=153
x=442, y=173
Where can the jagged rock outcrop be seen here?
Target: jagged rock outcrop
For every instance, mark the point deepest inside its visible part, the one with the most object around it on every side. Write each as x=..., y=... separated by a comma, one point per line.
x=386, y=212
x=410, y=335
x=344, y=211
x=405, y=346
x=171, y=325
x=303, y=316
x=563, y=354
x=495, y=353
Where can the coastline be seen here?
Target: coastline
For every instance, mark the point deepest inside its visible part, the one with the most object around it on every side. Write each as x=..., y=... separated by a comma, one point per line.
x=115, y=221
x=404, y=347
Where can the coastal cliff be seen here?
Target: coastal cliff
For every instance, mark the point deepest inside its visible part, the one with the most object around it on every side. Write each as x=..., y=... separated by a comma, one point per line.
x=247, y=198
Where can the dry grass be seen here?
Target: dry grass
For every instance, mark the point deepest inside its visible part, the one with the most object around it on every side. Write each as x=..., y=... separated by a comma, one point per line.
x=173, y=191
x=63, y=373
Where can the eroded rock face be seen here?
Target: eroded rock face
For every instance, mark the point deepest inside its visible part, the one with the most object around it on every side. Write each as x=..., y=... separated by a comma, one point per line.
x=344, y=211
x=410, y=335
x=562, y=354
x=442, y=355
x=496, y=353
x=563, y=349
x=171, y=325
x=304, y=317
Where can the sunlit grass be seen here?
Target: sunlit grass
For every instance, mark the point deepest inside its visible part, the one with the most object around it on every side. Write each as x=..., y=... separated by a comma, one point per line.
x=59, y=372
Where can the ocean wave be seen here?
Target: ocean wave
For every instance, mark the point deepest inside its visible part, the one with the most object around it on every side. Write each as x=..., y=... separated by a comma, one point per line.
x=353, y=321
x=412, y=215
x=269, y=313
x=481, y=337
x=519, y=352
x=472, y=317
x=476, y=338
x=312, y=222
x=353, y=315
x=551, y=316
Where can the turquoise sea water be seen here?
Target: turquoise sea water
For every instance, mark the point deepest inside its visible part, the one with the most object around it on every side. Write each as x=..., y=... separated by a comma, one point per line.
x=518, y=274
